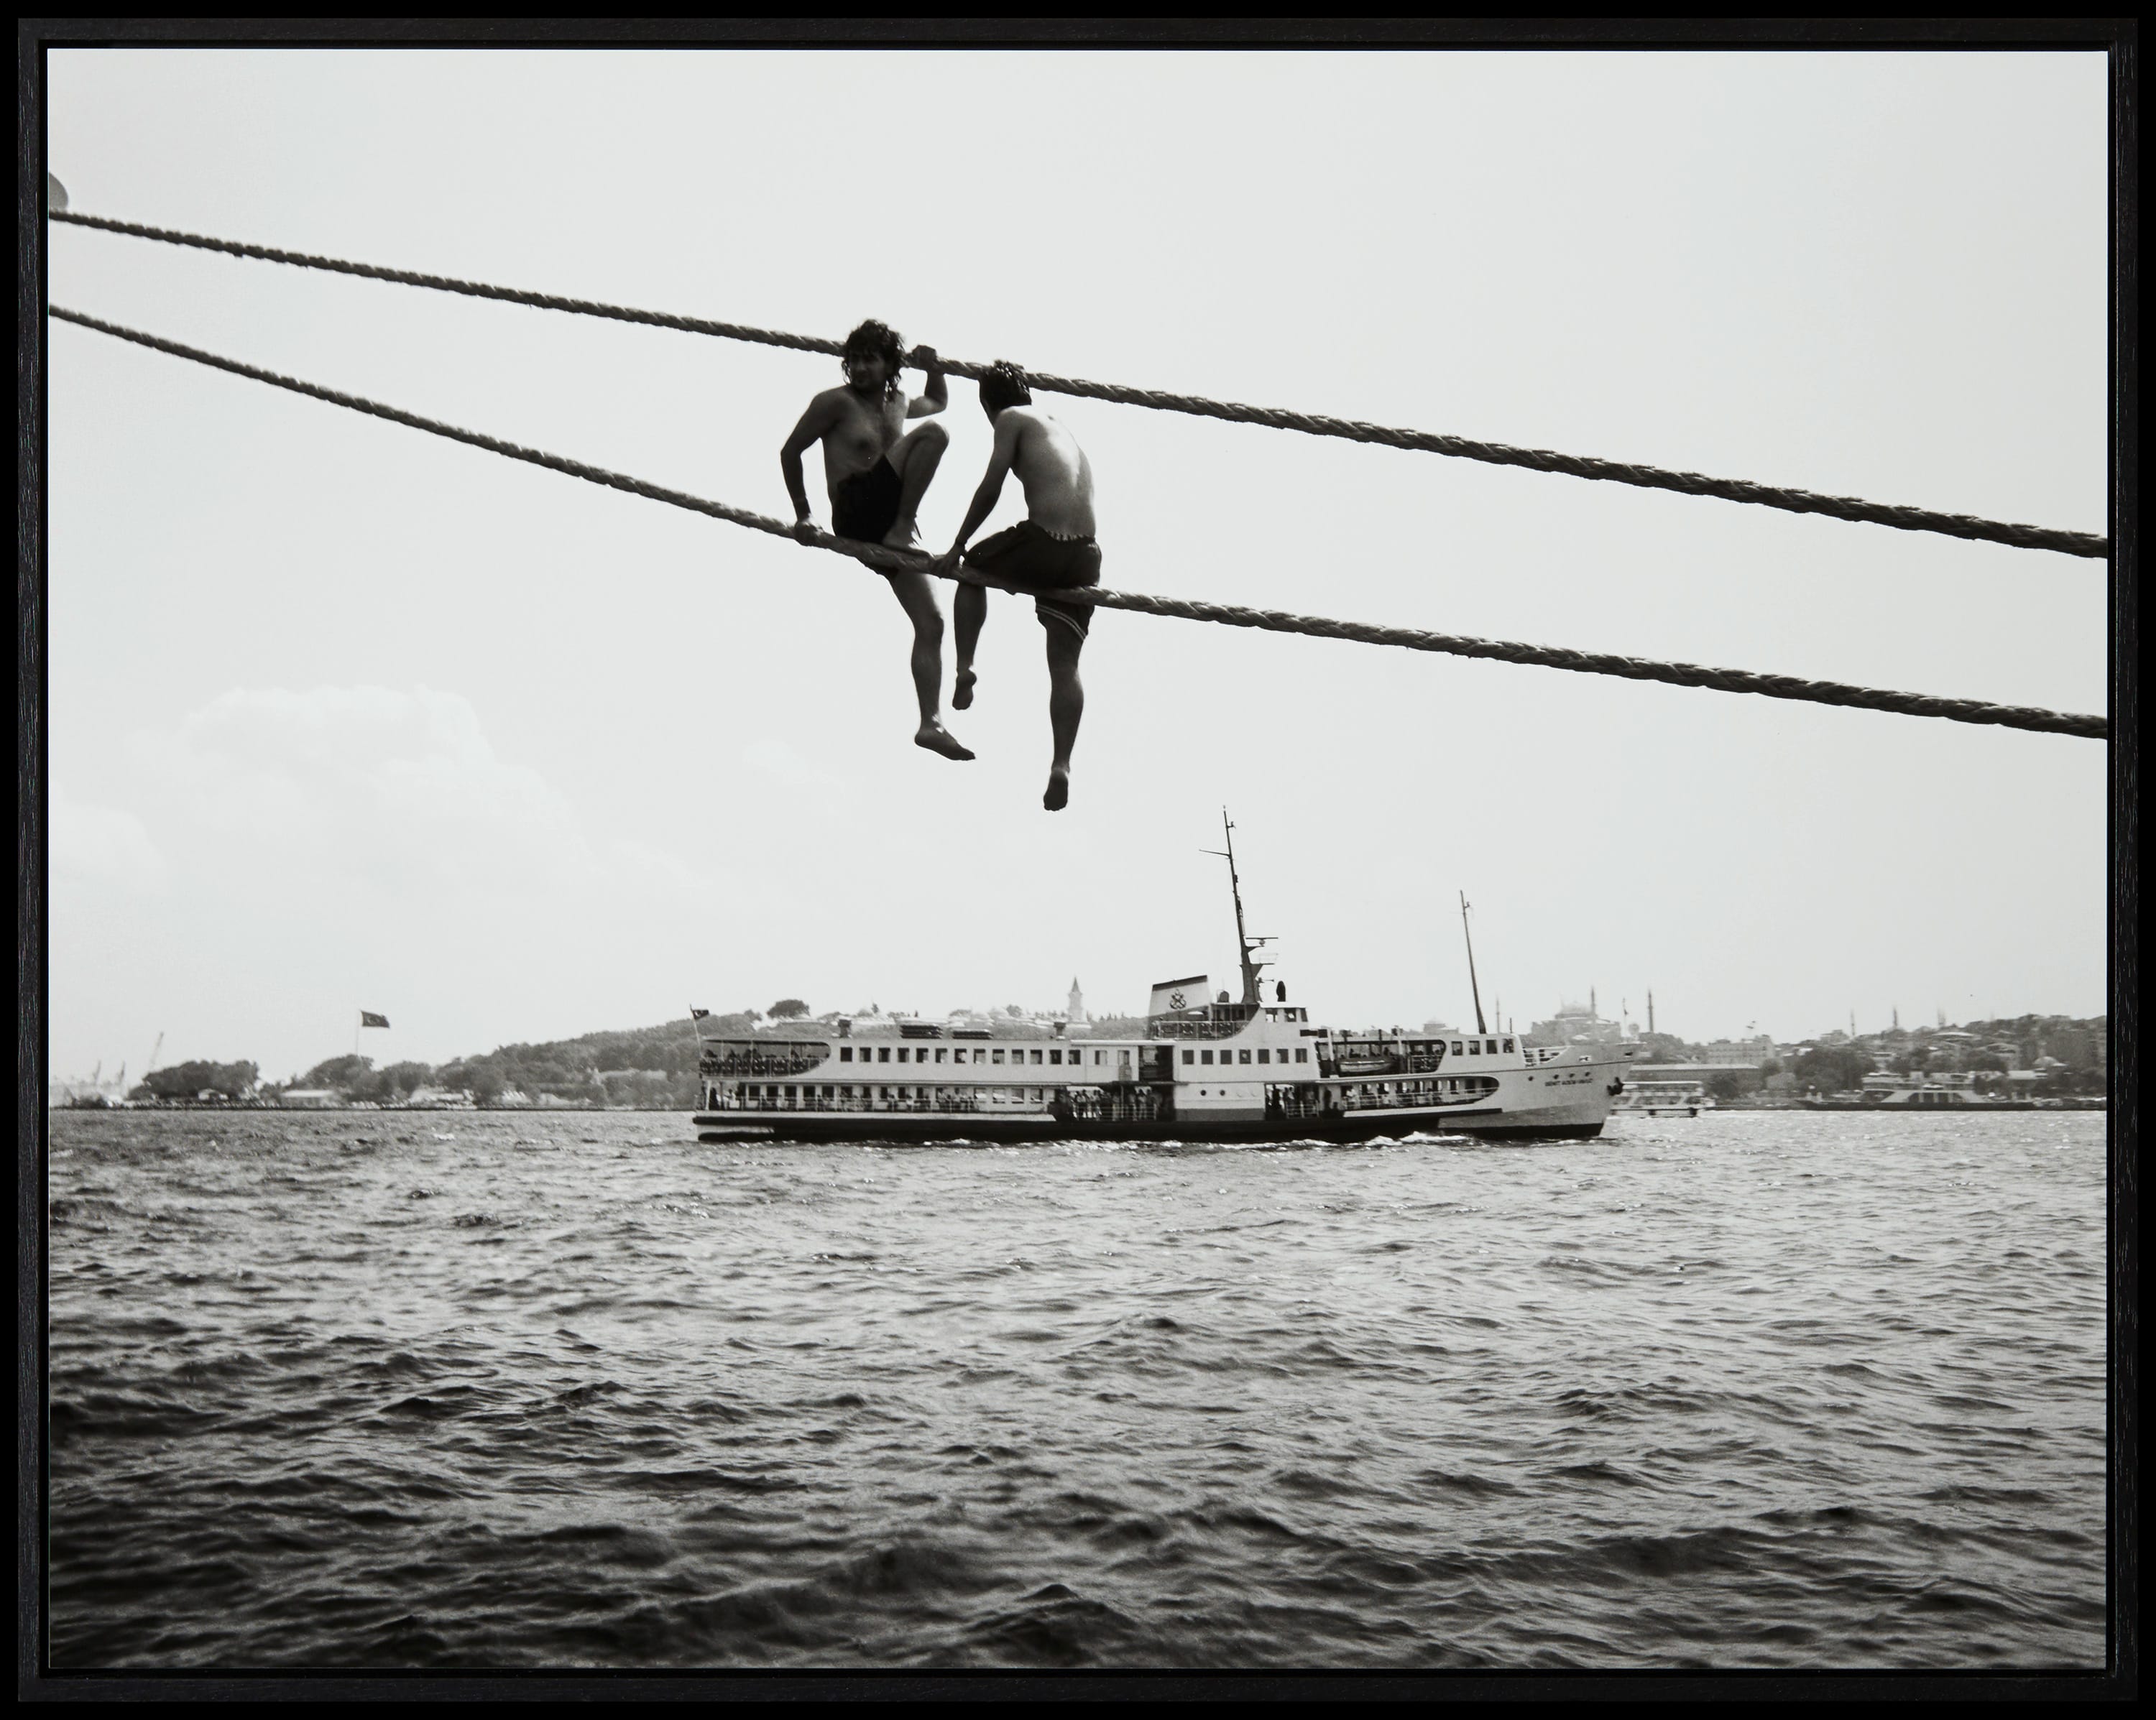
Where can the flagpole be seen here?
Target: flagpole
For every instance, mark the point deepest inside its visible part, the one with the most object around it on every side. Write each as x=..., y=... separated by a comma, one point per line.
x=355, y=1027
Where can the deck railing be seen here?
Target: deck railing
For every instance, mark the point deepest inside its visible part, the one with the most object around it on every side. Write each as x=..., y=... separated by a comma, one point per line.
x=1142, y=1104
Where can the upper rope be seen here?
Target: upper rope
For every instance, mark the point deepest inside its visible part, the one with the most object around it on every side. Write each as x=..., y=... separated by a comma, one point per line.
x=1495, y=454
x=1679, y=674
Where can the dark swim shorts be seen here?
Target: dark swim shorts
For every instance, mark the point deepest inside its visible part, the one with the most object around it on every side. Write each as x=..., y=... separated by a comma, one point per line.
x=1034, y=557
x=865, y=506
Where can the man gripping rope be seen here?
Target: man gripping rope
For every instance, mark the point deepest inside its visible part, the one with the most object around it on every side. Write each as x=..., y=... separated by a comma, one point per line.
x=1052, y=549
x=877, y=472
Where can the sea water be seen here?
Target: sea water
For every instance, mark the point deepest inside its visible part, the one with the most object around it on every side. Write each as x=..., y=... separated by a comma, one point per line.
x=513, y=1389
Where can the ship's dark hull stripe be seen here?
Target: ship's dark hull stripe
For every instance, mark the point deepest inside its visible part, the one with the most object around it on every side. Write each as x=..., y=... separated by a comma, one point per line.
x=930, y=1130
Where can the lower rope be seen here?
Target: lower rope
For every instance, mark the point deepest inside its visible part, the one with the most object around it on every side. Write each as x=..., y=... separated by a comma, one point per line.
x=1594, y=663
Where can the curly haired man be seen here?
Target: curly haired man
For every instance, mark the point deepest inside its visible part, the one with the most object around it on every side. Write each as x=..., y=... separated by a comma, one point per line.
x=876, y=472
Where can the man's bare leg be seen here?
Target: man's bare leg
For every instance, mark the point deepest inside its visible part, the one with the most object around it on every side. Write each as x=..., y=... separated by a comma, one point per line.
x=970, y=609
x=916, y=457
x=1066, y=704
x=916, y=595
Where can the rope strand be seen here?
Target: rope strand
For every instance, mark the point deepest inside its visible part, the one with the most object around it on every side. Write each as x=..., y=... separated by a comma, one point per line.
x=1495, y=454
x=1678, y=674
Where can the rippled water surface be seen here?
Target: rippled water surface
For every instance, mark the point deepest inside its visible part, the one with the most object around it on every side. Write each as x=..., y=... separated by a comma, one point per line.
x=511, y=1390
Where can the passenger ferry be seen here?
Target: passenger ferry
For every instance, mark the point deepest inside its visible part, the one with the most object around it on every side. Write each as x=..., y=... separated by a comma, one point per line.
x=1916, y=1096
x=1203, y=1069
x=1658, y=1098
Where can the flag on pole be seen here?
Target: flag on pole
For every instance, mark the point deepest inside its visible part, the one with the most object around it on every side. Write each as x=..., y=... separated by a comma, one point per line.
x=698, y=1014
x=367, y=1018
x=1169, y=996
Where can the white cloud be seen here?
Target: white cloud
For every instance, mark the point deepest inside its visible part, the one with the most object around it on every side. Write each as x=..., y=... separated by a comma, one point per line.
x=368, y=815
x=400, y=791
x=319, y=850
x=101, y=847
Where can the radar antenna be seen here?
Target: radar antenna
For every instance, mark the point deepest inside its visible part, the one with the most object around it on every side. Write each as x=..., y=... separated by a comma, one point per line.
x=1246, y=945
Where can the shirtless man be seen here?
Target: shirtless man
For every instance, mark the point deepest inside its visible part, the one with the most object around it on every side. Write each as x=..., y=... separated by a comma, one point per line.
x=875, y=473
x=1052, y=547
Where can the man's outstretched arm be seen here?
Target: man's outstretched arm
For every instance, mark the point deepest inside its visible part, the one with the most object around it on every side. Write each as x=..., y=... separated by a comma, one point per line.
x=935, y=394
x=1007, y=429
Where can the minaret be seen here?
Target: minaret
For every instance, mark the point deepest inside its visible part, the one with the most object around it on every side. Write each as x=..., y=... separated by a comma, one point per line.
x=1897, y=1018
x=1077, y=1005
x=1593, y=1009
x=1650, y=1012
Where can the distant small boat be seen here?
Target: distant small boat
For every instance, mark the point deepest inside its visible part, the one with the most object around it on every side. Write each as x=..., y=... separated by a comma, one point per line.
x=1659, y=1098
x=1914, y=1097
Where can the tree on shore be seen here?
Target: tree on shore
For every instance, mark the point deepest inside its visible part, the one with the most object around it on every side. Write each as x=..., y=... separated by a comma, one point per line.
x=340, y=1074
x=788, y=1009
x=1833, y=1068
x=184, y=1081
x=403, y=1080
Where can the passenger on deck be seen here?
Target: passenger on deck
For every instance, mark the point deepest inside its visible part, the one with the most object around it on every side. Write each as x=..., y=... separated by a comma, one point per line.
x=875, y=473
x=1051, y=550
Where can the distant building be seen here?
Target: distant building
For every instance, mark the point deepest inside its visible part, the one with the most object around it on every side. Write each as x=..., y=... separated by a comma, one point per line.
x=1077, y=1010
x=311, y=1099
x=1580, y=1024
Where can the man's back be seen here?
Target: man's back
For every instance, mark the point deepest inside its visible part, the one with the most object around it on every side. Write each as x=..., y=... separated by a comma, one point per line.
x=1057, y=477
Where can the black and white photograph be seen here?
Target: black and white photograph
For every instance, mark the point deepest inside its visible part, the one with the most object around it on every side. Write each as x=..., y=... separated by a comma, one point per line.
x=862, y=856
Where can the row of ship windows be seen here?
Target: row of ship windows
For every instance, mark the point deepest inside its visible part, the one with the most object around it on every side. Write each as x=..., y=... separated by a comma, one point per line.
x=981, y=1054
x=770, y=1093
x=1055, y=1056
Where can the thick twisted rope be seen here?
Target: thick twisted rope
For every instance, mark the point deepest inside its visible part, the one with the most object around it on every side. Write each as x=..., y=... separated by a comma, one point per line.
x=1495, y=454
x=1678, y=674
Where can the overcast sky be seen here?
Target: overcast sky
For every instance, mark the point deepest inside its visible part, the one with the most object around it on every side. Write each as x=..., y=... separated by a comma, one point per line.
x=344, y=716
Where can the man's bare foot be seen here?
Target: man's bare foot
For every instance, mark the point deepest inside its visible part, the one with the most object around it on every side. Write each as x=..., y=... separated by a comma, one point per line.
x=938, y=738
x=905, y=535
x=962, y=691
x=1058, y=791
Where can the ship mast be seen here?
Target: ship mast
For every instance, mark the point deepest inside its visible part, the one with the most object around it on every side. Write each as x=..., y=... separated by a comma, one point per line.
x=1246, y=946
x=1471, y=986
